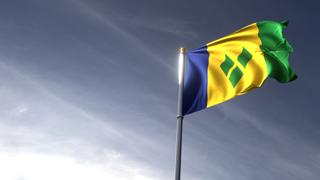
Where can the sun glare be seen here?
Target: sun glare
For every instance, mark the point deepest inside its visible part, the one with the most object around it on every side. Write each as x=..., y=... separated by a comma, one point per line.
x=34, y=166
x=181, y=64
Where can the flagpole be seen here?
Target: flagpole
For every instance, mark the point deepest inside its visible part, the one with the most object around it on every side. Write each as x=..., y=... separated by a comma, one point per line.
x=179, y=114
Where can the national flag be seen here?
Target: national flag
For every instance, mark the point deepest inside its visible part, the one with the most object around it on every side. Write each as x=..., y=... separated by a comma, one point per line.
x=235, y=64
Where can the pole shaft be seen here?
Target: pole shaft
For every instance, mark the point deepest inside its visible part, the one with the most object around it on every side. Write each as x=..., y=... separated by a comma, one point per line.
x=179, y=147
x=179, y=115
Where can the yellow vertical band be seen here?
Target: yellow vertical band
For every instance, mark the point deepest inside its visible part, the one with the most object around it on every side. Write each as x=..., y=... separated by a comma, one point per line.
x=219, y=86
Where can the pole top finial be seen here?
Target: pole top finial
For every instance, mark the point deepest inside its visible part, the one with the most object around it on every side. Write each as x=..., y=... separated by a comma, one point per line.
x=182, y=50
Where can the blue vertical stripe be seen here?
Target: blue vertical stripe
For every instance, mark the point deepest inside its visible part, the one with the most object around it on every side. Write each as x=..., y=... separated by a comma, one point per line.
x=195, y=82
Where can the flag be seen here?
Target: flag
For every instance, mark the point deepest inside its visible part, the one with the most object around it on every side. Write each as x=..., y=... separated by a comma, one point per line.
x=235, y=64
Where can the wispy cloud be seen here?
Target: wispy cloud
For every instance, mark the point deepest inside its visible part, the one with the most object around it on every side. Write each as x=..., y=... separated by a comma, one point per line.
x=38, y=166
x=41, y=131
x=129, y=37
x=176, y=27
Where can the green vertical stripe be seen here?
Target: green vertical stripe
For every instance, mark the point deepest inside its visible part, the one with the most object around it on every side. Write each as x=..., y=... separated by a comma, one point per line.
x=276, y=50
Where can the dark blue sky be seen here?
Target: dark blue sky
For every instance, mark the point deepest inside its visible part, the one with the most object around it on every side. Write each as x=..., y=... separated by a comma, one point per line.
x=88, y=90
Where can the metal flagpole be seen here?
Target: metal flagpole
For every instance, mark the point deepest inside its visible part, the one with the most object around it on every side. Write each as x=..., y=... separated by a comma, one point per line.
x=179, y=114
